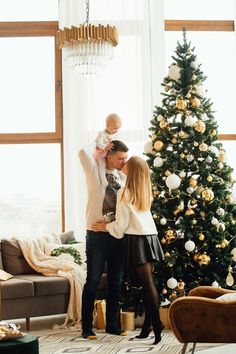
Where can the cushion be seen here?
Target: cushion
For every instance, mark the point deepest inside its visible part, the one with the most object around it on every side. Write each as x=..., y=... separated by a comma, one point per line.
x=49, y=247
x=227, y=297
x=13, y=259
x=67, y=237
x=47, y=285
x=4, y=275
x=17, y=288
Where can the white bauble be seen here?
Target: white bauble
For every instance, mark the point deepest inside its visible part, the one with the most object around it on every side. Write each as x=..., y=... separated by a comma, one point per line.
x=189, y=158
x=220, y=226
x=220, y=165
x=190, y=190
x=190, y=120
x=208, y=159
x=204, y=117
x=230, y=279
x=172, y=283
x=173, y=181
x=182, y=174
x=214, y=150
x=215, y=284
x=214, y=221
x=174, y=72
x=160, y=118
x=220, y=212
x=200, y=90
x=163, y=221
x=148, y=148
x=189, y=245
x=194, y=65
x=233, y=252
x=158, y=161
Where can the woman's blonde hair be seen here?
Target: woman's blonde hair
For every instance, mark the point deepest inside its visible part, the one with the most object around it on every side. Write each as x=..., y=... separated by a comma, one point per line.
x=138, y=189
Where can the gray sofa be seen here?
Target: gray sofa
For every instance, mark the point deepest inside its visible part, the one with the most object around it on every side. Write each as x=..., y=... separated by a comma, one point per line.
x=31, y=294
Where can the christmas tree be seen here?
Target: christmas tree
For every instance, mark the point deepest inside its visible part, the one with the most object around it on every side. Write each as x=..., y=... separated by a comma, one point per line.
x=193, y=206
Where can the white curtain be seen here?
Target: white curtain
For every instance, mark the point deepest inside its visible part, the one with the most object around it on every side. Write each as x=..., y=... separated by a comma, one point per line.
x=129, y=86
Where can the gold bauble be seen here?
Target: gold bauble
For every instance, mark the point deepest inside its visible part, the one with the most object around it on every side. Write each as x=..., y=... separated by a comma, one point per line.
x=213, y=132
x=195, y=257
x=182, y=156
x=174, y=141
x=167, y=254
x=154, y=136
x=170, y=235
x=181, y=104
x=204, y=259
x=203, y=147
x=163, y=240
x=201, y=237
x=176, y=212
x=188, y=95
x=209, y=178
x=193, y=182
x=202, y=214
x=194, y=221
x=158, y=145
x=181, y=134
x=195, y=102
x=224, y=243
x=199, y=126
x=207, y=195
x=173, y=296
x=189, y=212
x=195, y=143
x=167, y=173
x=164, y=291
x=221, y=156
x=181, y=285
x=163, y=124
x=193, y=202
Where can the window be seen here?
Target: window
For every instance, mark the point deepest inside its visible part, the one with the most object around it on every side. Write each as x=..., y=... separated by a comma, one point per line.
x=31, y=179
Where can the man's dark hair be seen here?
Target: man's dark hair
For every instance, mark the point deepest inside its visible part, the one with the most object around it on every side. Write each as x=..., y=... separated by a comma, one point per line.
x=118, y=146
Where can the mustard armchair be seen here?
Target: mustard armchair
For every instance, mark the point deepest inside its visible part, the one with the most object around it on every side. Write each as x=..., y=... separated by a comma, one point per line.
x=199, y=317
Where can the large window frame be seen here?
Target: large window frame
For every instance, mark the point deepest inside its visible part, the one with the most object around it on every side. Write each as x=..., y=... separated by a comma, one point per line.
x=40, y=29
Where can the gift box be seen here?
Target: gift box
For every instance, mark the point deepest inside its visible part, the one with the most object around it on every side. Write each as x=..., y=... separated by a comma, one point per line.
x=127, y=321
x=164, y=317
x=100, y=314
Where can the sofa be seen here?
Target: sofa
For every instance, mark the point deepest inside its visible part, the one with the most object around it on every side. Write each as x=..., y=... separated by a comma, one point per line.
x=206, y=315
x=30, y=294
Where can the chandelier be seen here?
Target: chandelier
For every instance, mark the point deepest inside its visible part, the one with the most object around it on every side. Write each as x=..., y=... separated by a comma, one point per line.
x=87, y=48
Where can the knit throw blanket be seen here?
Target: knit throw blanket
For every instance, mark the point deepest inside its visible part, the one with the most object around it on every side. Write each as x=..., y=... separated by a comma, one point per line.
x=62, y=266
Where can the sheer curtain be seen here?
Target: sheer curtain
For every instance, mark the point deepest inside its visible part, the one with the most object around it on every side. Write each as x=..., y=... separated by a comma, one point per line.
x=129, y=86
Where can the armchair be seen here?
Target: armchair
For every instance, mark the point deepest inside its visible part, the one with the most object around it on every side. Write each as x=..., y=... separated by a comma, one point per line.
x=199, y=317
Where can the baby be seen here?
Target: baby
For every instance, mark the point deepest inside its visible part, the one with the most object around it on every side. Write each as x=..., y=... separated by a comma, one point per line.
x=105, y=137
x=104, y=143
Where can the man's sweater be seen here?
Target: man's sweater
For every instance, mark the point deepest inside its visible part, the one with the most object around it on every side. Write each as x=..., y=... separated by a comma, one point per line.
x=95, y=188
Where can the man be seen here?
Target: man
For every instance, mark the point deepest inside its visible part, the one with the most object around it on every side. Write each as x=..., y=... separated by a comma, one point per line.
x=101, y=247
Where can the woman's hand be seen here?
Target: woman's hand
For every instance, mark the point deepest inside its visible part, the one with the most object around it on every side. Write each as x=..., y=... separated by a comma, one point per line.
x=100, y=225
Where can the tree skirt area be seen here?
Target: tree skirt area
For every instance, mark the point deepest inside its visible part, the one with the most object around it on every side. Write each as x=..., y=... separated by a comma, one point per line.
x=69, y=341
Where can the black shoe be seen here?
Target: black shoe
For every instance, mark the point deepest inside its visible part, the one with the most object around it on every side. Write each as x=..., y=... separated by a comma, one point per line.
x=144, y=333
x=89, y=334
x=116, y=330
x=158, y=334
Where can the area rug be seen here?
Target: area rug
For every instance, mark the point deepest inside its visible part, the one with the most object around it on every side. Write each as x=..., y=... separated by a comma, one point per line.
x=68, y=341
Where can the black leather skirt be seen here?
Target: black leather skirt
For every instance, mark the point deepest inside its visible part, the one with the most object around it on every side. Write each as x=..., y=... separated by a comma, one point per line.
x=140, y=249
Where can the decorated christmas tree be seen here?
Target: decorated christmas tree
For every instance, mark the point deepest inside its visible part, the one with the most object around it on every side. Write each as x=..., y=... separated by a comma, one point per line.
x=193, y=204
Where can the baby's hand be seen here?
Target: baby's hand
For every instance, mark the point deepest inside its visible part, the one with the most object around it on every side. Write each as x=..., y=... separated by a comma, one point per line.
x=109, y=147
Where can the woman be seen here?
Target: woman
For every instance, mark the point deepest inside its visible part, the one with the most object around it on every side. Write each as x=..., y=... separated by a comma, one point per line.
x=134, y=222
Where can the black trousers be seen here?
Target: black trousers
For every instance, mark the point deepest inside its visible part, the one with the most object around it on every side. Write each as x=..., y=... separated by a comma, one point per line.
x=101, y=249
